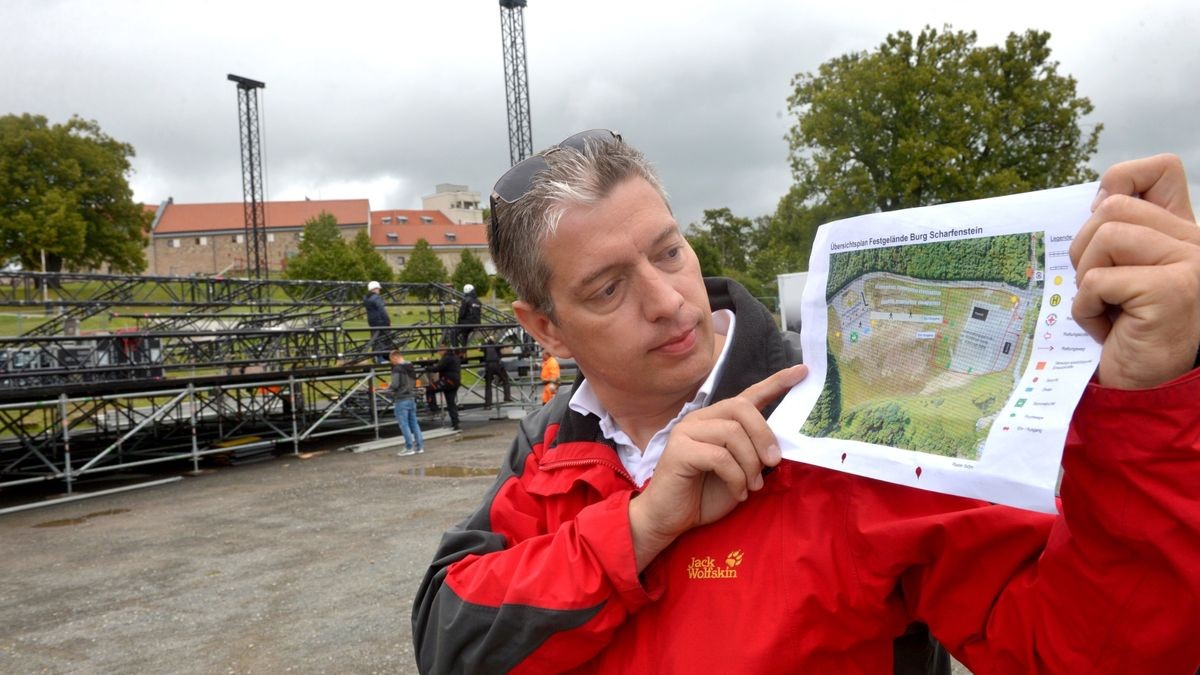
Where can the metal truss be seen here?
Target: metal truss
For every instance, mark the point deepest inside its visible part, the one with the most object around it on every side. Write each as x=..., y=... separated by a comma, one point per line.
x=205, y=378
x=239, y=418
x=31, y=366
x=516, y=79
x=253, y=182
x=275, y=301
x=72, y=437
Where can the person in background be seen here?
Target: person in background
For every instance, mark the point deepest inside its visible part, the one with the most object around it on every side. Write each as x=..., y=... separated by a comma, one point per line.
x=550, y=376
x=470, y=312
x=494, y=371
x=377, y=320
x=403, y=391
x=449, y=372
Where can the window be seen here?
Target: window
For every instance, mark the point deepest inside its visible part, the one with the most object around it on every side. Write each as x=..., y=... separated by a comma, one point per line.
x=427, y=219
x=270, y=236
x=298, y=236
x=399, y=261
x=202, y=241
x=403, y=219
x=174, y=243
x=450, y=236
x=387, y=219
x=392, y=236
x=238, y=238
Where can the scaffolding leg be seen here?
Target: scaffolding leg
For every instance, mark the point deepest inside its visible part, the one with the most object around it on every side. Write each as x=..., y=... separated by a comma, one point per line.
x=66, y=438
x=195, y=441
x=295, y=424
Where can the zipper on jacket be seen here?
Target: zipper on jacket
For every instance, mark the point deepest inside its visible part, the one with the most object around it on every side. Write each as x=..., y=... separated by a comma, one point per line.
x=619, y=470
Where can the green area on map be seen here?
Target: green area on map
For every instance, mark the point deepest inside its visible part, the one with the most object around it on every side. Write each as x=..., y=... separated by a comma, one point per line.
x=927, y=341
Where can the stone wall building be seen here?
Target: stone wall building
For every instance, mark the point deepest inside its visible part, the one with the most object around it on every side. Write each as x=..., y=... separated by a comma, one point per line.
x=208, y=239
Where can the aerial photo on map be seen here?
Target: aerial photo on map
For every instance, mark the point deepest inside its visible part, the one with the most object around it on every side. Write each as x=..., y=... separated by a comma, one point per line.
x=926, y=342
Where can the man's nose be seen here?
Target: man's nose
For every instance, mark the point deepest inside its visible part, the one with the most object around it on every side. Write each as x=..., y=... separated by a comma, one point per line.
x=660, y=299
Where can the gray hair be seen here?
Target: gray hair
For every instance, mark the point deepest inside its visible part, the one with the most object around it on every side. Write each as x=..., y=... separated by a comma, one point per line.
x=516, y=232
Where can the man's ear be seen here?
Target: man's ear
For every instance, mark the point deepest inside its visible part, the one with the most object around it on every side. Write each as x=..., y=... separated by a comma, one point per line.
x=542, y=328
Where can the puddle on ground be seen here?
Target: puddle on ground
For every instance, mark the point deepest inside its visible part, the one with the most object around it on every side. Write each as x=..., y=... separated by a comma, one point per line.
x=62, y=523
x=83, y=519
x=451, y=471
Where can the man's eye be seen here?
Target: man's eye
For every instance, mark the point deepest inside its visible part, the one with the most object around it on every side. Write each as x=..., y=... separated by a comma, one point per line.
x=609, y=289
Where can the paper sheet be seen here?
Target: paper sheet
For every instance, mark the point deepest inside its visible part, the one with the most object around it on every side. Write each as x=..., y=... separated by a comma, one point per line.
x=941, y=347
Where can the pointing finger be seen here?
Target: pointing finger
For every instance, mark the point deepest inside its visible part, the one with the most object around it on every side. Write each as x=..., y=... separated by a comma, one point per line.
x=763, y=393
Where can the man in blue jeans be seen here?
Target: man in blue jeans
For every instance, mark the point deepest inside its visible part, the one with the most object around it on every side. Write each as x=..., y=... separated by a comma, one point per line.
x=404, y=377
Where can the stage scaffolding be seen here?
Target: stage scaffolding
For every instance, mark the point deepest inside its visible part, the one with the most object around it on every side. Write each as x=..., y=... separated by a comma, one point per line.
x=193, y=375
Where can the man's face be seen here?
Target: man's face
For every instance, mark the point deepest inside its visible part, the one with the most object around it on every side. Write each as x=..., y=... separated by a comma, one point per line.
x=629, y=301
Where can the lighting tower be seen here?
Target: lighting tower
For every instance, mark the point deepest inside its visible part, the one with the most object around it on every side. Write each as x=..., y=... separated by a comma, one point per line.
x=516, y=79
x=252, y=177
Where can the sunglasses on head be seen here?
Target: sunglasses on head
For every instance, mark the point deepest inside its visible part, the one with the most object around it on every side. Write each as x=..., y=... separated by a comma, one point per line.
x=515, y=182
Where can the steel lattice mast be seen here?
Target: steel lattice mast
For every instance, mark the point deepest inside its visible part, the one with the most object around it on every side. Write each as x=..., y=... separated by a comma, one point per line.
x=516, y=79
x=252, y=177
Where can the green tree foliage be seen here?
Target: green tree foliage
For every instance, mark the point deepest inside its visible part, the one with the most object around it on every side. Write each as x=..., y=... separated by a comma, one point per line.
x=706, y=253
x=785, y=239
x=882, y=424
x=827, y=411
x=728, y=236
x=423, y=267
x=728, y=245
x=1003, y=258
x=503, y=289
x=374, y=267
x=64, y=191
x=934, y=118
x=324, y=254
x=470, y=271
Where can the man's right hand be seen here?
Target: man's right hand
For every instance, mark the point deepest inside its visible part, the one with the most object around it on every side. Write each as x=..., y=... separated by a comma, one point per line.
x=714, y=458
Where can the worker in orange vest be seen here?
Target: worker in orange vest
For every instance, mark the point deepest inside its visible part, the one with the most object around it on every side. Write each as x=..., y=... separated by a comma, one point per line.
x=550, y=374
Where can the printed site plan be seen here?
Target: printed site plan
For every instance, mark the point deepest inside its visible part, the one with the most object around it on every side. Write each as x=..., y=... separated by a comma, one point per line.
x=941, y=346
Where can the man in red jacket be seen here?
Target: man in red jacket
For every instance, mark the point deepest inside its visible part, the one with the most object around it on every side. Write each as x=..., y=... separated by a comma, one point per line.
x=577, y=560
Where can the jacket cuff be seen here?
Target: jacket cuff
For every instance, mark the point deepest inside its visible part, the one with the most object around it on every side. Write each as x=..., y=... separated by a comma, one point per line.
x=605, y=528
x=1116, y=410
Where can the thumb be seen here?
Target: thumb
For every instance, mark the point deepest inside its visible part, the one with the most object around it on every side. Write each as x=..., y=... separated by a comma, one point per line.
x=762, y=393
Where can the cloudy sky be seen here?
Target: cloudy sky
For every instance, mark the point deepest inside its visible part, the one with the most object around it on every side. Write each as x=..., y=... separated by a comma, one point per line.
x=386, y=99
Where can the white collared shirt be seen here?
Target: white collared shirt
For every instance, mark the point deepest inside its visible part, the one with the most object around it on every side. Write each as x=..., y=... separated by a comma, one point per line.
x=640, y=464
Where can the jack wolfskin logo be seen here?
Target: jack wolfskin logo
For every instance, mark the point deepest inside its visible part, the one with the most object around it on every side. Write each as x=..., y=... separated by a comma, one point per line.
x=707, y=568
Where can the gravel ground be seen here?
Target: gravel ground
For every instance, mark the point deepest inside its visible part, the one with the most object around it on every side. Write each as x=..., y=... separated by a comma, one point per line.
x=302, y=564
x=292, y=565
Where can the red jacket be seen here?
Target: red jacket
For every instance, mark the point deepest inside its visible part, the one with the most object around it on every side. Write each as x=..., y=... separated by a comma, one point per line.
x=820, y=571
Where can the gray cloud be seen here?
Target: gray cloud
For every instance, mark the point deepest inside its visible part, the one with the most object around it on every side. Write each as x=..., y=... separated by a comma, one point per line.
x=386, y=100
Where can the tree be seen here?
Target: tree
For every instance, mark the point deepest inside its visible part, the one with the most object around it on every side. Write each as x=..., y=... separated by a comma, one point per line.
x=934, y=118
x=64, y=192
x=707, y=254
x=423, y=267
x=324, y=254
x=470, y=271
x=729, y=238
x=374, y=267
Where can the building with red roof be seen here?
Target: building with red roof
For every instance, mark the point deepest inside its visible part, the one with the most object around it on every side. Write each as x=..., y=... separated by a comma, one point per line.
x=190, y=239
x=206, y=239
x=395, y=233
